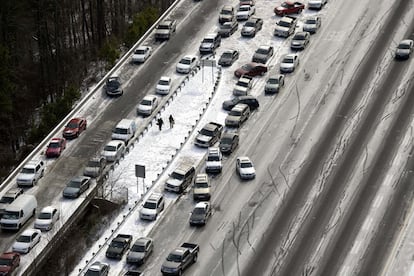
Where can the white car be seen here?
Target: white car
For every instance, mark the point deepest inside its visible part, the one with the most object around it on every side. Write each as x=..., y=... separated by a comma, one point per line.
x=289, y=63
x=31, y=173
x=274, y=84
x=26, y=241
x=163, y=86
x=141, y=54
x=316, y=4
x=113, y=150
x=245, y=168
x=243, y=86
x=213, y=162
x=152, y=207
x=148, y=104
x=47, y=218
x=312, y=24
x=187, y=64
x=244, y=12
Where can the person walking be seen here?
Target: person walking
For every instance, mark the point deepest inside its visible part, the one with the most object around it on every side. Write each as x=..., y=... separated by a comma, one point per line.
x=171, y=119
x=160, y=122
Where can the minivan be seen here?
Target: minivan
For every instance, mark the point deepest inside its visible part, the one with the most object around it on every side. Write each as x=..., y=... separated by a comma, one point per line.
x=19, y=212
x=124, y=130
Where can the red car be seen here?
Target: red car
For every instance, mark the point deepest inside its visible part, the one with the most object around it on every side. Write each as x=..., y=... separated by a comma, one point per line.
x=246, y=2
x=74, y=127
x=251, y=69
x=9, y=262
x=55, y=147
x=289, y=8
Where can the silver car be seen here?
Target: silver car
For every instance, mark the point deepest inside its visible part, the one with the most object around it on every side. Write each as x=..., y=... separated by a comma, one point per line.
x=289, y=63
x=274, y=84
x=404, y=49
x=140, y=251
x=312, y=24
x=300, y=40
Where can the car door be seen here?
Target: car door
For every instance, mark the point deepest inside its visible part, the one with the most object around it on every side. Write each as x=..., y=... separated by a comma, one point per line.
x=238, y=165
x=235, y=142
x=35, y=239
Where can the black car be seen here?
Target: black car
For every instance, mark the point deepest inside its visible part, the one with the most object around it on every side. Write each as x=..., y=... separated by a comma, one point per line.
x=201, y=213
x=228, y=57
x=76, y=186
x=251, y=101
x=113, y=86
x=118, y=246
x=228, y=28
x=229, y=142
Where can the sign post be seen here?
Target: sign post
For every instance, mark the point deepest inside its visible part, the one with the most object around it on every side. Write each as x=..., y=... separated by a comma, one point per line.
x=140, y=173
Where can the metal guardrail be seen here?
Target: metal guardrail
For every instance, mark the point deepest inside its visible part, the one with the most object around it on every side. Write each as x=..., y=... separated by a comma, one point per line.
x=80, y=104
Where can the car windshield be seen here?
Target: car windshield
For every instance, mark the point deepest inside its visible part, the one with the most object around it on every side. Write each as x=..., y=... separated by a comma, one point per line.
x=146, y=102
x=198, y=211
x=206, y=132
x=226, y=140
x=117, y=244
x=262, y=51
x=119, y=130
x=226, y=12
x=6, y=199
x=164, y=82
x=244, y=8
x=299, y=36
x=23, y=238
x=138, y=248
x=208, y=40
x=403, y=46
x=109, y=148
x=273, y=81
x=201, y=184
x=177, y=175
x=287, y=60
x=283, y=23
x=93, y=163
x=72, y=125
x=163, y=27
x=247, y=67
x=10, y=215
x=246, y=165
x=235, y=113
x=54, y=145
x=310, y=21
x=150, y=205
x=140, y=52
x=44, y=215
x=185, y=61
x=174, y=258
x=226, y=26
x=74, y=183
x=249, y=24
x=28, y=170
x=213, y=158
x=6, y=262
x=242, y=84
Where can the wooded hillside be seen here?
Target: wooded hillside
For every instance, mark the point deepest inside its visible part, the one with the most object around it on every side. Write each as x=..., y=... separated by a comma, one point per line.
x=46, y=48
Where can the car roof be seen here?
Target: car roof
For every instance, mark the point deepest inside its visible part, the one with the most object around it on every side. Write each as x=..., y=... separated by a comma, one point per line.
x=13, y=191
x=8, y=255
x=79, y=178
x=265, y=47
x=150, y=97
x=29, y=232
x=231, y=51
x=189, y=57
x=315, y=17
x=406, y=41
x=201, y=177
x=56, y=139
x=115, y=142
x=183, y=168
x=76, y=120
x=244, y=159
x=32, y=164
x=229, y=134
x=290, y=55
x=211, y=35
x=227, y=7
x=202, y=204
x=165, y=78
x=245, y=5
x=142, y=241
x=213, y=150
x=210, y=126
x=143, y=47
x=48, y=209
x=301, y=33
x=97, y=266
x=154, y=197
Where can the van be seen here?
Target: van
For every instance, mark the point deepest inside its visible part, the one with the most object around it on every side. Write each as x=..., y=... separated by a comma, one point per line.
x=124, y=130
x=18, y=212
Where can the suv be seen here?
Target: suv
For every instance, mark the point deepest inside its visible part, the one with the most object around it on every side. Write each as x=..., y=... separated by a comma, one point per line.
x=213, y=162
x=210, y=43
x=226, y=14
x=8, y=198
x=252, y=26
x=180, y=179
x=238, y=115
x=208, y=135
x=285, y=26
x=201, y=188
x=165, y=29
x=152, y=207
x=31, y=173
x=243, y=86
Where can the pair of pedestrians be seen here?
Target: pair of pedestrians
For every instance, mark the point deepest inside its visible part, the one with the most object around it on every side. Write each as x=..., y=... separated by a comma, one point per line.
x=160, y=122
